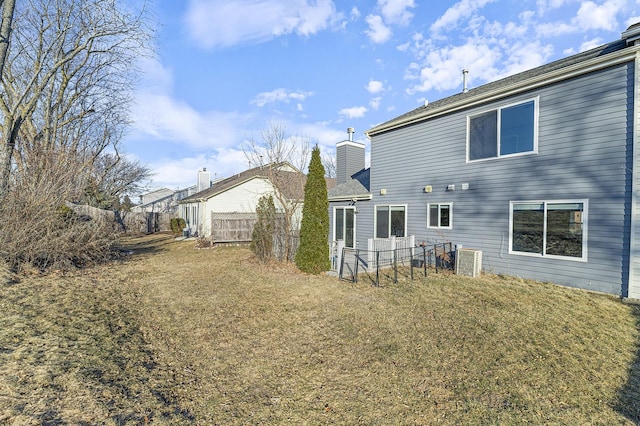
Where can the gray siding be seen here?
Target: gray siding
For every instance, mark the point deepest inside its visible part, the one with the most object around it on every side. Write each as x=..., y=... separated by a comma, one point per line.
x=349, y=160
x=584, y=152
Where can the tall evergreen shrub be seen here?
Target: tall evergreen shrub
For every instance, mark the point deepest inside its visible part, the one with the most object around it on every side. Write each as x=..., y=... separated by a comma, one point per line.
x=313, y=253
x=262, y=235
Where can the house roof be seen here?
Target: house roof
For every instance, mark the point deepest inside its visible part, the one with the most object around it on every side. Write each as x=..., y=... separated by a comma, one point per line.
x=285, y=176
x=590, y=60
x=355, y=188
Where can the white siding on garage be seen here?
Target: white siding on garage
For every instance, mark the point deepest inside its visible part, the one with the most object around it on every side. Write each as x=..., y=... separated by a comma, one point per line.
x=239, y=199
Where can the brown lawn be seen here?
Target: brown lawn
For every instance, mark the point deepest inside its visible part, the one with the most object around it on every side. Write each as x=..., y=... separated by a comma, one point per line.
x=179, y=335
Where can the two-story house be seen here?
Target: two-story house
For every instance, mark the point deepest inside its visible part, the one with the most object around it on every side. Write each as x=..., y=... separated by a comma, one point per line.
x=536, y=170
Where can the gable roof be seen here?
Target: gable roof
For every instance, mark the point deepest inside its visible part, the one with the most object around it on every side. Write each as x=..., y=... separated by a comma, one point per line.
x=581, y=63
x=285, y=176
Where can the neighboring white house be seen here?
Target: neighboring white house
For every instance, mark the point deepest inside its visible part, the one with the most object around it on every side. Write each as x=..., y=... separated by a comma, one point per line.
x=234, y=200
x=163, y=200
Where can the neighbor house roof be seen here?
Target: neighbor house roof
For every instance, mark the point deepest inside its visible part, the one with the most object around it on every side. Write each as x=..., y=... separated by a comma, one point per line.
x=284, y=175
x=590, y=60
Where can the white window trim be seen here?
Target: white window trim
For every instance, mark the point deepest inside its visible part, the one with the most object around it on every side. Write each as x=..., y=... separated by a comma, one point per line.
x=536, y=114
x=450, y=216
x=585, y=229
x=375, y=218
x=355, y=218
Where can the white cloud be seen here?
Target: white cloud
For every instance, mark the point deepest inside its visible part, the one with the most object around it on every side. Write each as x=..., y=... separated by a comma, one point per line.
x=592, y=16
x=221, y=23
x=589, y=16
x=353, y=112
x=522, y=56
x=355, y=13
x=279, y=95
x=164, y=118
x=374, y=86
x=396, y=11
x=546, y=5
x=443, y=69
x=590, y=44
x=174, y=173
x=378, y=32
x=459, y=11
x=374, y=103
x=156, y=113
x=631, y=21
x=388, y=13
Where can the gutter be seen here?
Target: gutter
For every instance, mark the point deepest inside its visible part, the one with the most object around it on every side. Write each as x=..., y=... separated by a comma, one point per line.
x=360, y=197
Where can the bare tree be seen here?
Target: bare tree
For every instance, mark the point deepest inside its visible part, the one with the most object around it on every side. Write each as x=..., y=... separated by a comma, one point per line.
x=329, y=163
x=68, y=78
x=65, y=93
x=114, y=177
x=8, y=7
x=282, y=157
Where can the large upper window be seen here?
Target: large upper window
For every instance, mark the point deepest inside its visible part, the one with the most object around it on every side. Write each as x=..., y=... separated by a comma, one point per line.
x=439, y=215
x=390, y=221
x=505, y=131
x=344, y=221
x=549, y=228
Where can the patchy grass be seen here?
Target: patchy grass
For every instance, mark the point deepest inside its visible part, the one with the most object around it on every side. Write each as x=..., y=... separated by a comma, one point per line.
x=179, y=335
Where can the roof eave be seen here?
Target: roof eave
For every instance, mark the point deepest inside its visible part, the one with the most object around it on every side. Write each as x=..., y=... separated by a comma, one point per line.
x=358, y=197
x=544, y=79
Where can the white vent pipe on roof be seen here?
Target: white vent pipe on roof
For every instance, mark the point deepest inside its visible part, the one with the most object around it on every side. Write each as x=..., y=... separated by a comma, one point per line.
x=465, y=74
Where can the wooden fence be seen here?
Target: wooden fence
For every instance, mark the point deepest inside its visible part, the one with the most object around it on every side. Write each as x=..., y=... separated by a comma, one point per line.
x=232, y=227
x=127, y=221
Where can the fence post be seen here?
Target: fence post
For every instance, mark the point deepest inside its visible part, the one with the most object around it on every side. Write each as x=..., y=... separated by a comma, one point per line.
x=424, y=259
x=435, y=256
x=377, y=269
x=411, y=262
x=355, y=273
x=395, y=266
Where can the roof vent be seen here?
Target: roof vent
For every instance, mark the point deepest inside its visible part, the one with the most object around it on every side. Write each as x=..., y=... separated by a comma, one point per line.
x=350, y=131
x=465, y=74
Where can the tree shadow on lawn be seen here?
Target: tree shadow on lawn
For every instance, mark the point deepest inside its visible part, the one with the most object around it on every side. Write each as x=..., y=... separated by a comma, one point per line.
x=628, y=401
x=146, y=244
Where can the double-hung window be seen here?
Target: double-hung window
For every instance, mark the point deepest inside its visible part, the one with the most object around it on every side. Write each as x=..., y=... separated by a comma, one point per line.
x=439, y=215
x=506, y=131
x=344, y=221
x=549, y=228
x=390, y=221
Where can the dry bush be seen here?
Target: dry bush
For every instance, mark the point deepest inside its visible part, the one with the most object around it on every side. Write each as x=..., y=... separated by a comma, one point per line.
x=5, y=272
x=38, y=229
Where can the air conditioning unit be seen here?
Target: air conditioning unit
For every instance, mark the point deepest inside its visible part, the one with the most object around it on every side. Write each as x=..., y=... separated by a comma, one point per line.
x=468, y=262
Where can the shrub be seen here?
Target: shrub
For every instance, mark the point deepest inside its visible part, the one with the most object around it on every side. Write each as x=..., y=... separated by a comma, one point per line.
x=313, y=252
x=262, y=235
x=177, y=224
x=40, y=230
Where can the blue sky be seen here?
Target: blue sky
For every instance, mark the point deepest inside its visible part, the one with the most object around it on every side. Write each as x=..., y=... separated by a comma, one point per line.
x=226, y=69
